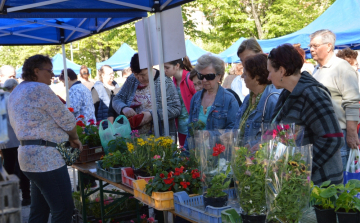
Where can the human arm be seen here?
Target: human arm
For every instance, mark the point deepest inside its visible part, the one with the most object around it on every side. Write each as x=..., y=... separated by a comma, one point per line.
x=122, y=100
x=322, y=125
x=352, y=138
x=232, y=110
x=74, y=139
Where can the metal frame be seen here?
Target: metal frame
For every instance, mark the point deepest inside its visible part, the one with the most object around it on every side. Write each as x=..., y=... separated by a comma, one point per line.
x=104, y=24
x=72, y=33
x=128, y=5
x=34, y=5
x=101, y=189
x=165, y=4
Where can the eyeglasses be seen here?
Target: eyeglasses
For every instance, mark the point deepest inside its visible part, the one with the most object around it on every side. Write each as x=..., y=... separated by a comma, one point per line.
x=50, y=71
x=315, y=46
x=85, y=73
x=208, y=77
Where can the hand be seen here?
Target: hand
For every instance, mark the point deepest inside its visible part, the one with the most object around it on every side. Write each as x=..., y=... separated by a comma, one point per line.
x=352, y=139
x=128, y=112
x=146, y=119
x=75, y=143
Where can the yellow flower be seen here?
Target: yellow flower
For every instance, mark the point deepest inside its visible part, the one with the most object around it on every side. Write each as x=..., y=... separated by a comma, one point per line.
x=111, y=154
x=293, y=163
x=130, y=147
x=140, y=142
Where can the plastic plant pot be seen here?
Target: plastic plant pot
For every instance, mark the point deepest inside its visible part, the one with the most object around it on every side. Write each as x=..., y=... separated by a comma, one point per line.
x=215, y=201
x=325, y=215
x=253, y=219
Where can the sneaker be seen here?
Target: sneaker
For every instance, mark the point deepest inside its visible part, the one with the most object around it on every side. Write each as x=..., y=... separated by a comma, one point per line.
x=26, y=202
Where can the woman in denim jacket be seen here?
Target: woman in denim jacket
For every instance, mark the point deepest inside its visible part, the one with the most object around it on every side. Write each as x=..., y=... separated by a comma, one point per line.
x=213, y=105
x=259, y=105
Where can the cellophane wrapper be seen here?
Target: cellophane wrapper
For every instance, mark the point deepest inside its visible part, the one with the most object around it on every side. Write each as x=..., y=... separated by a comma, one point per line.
x=249, y=162
x=288, y=175
x=213, y=163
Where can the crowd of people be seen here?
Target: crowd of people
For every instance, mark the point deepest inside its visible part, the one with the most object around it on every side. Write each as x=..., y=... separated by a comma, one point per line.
x=279, y=87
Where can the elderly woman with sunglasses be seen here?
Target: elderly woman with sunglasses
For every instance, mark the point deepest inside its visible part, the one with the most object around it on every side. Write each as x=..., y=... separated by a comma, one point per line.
x=214, y=106
x=258, y=106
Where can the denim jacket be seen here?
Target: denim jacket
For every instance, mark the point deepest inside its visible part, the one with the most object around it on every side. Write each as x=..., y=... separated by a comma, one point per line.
x=253, y=123
x=220, y=115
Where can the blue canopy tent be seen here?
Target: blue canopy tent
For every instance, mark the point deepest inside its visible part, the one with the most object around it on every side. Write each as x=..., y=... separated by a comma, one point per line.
x=58, y=65
x=194, y=52
x=120, y=59
x=341, y=18
x=230, y=54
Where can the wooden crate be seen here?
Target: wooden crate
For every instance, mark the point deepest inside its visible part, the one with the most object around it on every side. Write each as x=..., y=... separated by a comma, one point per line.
x=10, y=206
x=90, y=154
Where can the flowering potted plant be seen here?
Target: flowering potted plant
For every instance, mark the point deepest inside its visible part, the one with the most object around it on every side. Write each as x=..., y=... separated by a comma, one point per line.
x=249, y=170
x=288, y=176
x=89, y=136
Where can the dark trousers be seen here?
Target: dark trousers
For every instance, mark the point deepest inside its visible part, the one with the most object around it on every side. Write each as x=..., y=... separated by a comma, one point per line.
x=51, y=192
x=11, y=165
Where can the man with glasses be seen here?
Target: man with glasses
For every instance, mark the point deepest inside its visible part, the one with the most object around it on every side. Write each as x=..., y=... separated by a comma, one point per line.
x=342, y=82
x=6, y=72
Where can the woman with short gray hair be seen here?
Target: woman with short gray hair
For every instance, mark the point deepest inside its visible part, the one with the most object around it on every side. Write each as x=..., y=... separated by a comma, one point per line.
x=213, y=105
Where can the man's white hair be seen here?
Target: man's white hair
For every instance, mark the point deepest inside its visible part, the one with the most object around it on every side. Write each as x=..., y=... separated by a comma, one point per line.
x=6, y=68
x=327, y=36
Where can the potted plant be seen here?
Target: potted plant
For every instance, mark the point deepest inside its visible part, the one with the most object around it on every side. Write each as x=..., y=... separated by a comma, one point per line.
x=323, y=198
x=249, y=171
x=348, y=204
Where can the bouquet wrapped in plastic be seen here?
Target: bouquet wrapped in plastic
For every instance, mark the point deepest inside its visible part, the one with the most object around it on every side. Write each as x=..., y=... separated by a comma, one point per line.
x=249, y=167
x=288, y=175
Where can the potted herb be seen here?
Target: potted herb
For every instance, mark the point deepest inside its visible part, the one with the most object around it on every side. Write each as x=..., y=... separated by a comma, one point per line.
x=249, y=172
x=323, y=198
x=113, y=162
x=348, y=204
x=215, y=195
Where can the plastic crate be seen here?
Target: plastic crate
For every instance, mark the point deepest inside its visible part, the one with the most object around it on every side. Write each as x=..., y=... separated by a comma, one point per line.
x=230, y=216
x=114, y=177
x=128, y=176
x=159, y=200
x=192, y=207
x=90, y=154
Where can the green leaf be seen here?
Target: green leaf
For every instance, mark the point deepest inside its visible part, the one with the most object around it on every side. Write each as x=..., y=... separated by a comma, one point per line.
x=325, y=184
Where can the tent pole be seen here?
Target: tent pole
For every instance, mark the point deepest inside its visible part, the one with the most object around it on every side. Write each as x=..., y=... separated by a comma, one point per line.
x=65, y=76
x=162, y=73
x=146, y=23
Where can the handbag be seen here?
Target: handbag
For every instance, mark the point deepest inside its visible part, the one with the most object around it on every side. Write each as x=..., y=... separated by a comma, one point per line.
x=69, y=154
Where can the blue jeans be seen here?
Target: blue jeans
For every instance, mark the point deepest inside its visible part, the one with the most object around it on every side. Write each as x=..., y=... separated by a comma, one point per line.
x=345, y=151
x=50, y=192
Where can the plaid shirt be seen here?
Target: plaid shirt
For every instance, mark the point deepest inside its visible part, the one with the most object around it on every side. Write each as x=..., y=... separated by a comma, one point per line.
x=310, y=105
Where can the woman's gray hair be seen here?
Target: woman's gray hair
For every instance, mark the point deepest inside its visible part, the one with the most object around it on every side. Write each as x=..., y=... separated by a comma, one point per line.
x=10, y=84
x=327, y=36
x=209, y=60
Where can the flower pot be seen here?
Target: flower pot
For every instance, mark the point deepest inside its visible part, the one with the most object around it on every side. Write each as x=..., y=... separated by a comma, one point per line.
x=349, y=217
x=253, y=219
x=116, y=170
x=215, y=201
x=325, y=215
x=140, y=172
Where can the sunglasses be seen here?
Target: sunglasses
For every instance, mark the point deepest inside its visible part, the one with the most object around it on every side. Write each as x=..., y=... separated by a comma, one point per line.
x=208, y=77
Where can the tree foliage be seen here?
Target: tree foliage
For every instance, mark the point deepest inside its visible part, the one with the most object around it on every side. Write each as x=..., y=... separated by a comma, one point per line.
x=229, y=20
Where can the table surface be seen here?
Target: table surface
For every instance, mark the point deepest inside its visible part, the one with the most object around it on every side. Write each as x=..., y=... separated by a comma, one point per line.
x=85, y=168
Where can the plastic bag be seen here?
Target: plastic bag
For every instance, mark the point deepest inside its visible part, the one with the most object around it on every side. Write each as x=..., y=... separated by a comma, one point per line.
x=249, y=163
x=106, y=135
x=353, y=166
x=121, y=127
x=215, y=156
x=287, y=182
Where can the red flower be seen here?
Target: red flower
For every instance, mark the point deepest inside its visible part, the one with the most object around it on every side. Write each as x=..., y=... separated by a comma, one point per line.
x=252, y=158
x=286, y=127
x=168, y=180
x=274, y=133
x=71, y=109
x=143, y=216
x=218, y=149
x=195, y=173
x=81, y=116
x=80, y=123
x=91, y=122
x=185, y=184
x=179, y=171
x=98, y=122
x=162, y=175
x=170, y=174
x=279, y=128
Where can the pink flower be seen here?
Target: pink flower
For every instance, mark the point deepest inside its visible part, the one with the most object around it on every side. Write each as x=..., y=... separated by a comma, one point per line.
x=286, y=127
x=274, y=133
x=279, y=128
x=97, y=199
x=143, y=216
x=157, y=157
x=151, y=220
x=308, y=178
